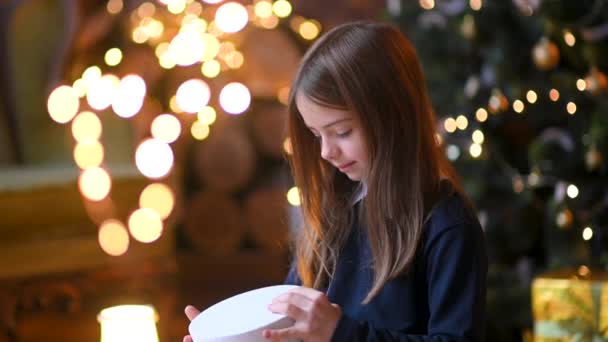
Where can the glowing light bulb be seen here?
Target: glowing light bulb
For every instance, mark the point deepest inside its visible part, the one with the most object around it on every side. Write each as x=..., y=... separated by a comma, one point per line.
x=63, y=104
x=86, y=126
x=145, y=225
x=113, y=57
x=166, y=128
x=231, y=17
x=281, y=8
x=95, y=183
x=193, y=95
x=293, y=196
x=235, y=98
x=154, y=158
x=113, y=237
x=159, y=198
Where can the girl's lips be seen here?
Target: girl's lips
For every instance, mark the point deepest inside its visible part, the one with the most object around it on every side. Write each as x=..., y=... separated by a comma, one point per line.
x=345, y=166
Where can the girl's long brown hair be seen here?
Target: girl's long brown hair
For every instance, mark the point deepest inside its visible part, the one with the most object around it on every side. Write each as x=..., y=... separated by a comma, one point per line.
x=372, y=70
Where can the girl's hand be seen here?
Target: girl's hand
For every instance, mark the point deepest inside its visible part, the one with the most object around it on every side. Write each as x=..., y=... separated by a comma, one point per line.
x=191, y=312
x=314, y=315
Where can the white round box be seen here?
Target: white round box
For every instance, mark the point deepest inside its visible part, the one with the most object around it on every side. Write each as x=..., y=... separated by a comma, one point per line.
x=241, y=318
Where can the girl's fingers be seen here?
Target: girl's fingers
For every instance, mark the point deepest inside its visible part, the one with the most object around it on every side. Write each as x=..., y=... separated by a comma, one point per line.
x=297, y=299
x=187, y=338
x=191, y=312
x=292, y=310
x=281, y=334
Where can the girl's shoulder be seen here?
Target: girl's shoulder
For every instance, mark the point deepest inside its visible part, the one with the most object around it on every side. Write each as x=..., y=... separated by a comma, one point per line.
x=452, y=211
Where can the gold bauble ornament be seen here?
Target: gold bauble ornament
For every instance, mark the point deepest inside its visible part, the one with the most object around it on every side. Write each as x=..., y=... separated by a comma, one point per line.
x=498, y=102
x=468, y=28
x=593, y=158
x=596, y=81
x=545, y=54
x=564, y=219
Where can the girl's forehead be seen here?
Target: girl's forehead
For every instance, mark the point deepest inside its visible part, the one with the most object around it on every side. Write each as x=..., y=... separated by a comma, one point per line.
x=318, y=116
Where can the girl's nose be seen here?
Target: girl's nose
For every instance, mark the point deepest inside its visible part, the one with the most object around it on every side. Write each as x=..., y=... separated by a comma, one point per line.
x=328, y=150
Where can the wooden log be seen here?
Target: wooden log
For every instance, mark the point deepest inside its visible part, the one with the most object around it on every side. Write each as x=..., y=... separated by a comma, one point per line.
x=214, y=223
x=266, y=211
x=269, y=128
x=226, y=161
x=204, y=280
x=23, y=189
x=11, y=151
x=264, y=70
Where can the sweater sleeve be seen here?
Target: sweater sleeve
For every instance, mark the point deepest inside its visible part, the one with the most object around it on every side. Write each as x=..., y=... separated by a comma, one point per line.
x=456, y=267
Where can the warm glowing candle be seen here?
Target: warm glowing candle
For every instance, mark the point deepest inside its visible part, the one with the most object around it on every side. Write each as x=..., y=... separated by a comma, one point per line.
x=128, y=323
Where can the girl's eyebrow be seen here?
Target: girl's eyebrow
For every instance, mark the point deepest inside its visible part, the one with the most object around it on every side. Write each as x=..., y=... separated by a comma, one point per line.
x=334, y=122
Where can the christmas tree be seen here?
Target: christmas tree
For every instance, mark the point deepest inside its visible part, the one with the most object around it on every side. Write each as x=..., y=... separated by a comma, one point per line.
x=519, y=88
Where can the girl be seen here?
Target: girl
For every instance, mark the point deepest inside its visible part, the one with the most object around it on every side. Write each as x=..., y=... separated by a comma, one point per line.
x=391, y=249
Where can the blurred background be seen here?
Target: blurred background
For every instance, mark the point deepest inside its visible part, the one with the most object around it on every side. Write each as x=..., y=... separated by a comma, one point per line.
x=143, y=155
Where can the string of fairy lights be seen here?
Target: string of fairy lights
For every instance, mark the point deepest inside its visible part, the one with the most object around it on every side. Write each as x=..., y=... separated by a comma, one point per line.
x=546, y=56
x=182, y=33
x=188, y=32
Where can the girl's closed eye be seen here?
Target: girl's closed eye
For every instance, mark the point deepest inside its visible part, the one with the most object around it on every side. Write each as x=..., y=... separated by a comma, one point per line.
x=345, y=133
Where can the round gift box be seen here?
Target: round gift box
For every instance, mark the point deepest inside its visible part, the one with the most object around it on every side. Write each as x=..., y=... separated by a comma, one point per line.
x=241, y=318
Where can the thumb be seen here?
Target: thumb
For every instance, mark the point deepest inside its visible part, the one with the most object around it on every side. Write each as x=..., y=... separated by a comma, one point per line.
x=191, y=312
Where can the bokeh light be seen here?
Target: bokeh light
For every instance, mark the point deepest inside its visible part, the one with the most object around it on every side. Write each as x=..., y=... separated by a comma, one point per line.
x=114, y=6
x=449, y=125
x=86, y=126
x=113, y=57
x=531, y=96
x=571, y=108
x=475, y=150
x=518, y=106
x=158, y=197
x=211, y=68
x=88, y=154
x=186, y=48
x=282, y=8
x=263, y=9
x=554, y=95
x=94, y=183
x=154, y=158
x=145, y=225
x=129, y=96
x=193, y=95
x=199, y=131
x=283, y=95
x=481, y=115
x=101, y=91
x=212, y=47
x=113, y=237
x=452, y=152
x=166, y=128
x=235, y=98
x=293, y=196
x=462, y=122
x=231, y=17
x=207, y=116
x=309, y=30
x=287, y=146
x=587, y=233
x=572, y=191
x=63, y=104
x=478, y=137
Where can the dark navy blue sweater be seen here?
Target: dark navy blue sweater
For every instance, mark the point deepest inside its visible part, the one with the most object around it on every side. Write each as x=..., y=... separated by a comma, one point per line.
x=441, y=298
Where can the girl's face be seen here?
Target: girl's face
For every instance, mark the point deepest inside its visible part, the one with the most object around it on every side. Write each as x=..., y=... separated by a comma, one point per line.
x=340, y=137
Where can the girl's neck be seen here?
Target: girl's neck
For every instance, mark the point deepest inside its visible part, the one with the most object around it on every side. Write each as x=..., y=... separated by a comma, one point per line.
x=360, y=192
